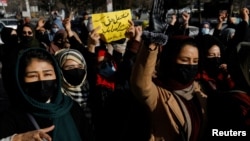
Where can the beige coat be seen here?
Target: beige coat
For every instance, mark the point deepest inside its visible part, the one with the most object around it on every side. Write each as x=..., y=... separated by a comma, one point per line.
x=165, y=111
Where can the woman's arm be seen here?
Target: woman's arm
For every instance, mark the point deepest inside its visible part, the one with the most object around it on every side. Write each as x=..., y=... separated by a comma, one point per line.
x=141, y=78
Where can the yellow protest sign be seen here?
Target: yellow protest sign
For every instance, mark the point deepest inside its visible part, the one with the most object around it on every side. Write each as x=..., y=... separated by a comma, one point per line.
x=113, y=24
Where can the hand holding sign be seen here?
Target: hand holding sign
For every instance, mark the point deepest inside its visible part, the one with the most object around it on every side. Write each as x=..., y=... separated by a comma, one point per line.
x=93, y=39
x=130, y=32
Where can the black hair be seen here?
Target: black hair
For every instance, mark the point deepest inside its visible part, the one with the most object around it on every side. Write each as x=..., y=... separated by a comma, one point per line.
x=173, y=47
x=24, y=59
x=170, y=52
x=205, y=42
x=27, y=57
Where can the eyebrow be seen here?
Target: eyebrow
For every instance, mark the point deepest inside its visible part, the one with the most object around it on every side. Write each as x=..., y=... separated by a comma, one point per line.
x=74, y=65
x=187, y=57
x=36, y=71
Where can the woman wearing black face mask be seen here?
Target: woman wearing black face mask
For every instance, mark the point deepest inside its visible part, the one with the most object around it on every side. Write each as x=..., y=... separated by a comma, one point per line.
x=177, y=105
x=8, y=59
x=74, y=75
x=213, y=74
x=230, y=110
x=41, y=102
x=74, y=78
x=28, y=38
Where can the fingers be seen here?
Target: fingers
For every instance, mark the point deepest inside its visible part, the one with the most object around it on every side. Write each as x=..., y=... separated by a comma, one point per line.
x=131, y=22
x=48, y=129
x=138, y=33
x=41, y=134
x=173, y=16
x=185, y=14
x=94, y=36
x=95, y=31
x=66, y=21
x=44, y=136
x=245, y=11
x=138, y=29
x=130, y=32
x=36, y=135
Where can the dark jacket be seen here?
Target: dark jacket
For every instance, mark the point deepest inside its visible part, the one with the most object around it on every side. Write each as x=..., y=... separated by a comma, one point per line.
x=60, y=109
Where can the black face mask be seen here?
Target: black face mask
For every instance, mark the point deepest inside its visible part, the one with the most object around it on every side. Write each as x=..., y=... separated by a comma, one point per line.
x=41, y=90
x=27, y=38
x=185, y=73
x=212, y=66
x=74, y=76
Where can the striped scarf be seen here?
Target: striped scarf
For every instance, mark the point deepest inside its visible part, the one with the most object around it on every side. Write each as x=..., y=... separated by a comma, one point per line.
x=79, y=93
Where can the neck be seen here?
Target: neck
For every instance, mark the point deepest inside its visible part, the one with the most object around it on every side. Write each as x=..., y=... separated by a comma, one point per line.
x=172, y=85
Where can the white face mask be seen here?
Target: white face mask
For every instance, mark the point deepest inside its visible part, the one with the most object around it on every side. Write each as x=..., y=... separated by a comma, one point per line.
x=205, y=31
x=54, y=30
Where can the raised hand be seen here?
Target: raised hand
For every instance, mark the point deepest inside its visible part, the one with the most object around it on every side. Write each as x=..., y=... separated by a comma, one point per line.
x=94, y=39
x=245, y=14
x=185, y=17
x=36, y=135
x=138, y=33
x=130, y=33
x=40, y=24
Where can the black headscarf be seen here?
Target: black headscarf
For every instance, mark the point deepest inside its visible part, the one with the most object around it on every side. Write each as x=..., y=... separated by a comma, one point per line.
x=59, y=109
x=32, y=42
x=239, y=67
x=6, y=36
x=168, y=57
x=205, y=42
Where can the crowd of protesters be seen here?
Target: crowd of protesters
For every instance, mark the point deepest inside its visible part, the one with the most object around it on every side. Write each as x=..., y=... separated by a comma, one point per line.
x=173, y=85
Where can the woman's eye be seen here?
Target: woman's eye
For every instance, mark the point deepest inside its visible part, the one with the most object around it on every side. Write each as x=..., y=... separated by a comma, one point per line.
x=196, y=62
x=81, y=67
x=68, y=68
x=48, y=74
x=32, y=76
x=184, y=60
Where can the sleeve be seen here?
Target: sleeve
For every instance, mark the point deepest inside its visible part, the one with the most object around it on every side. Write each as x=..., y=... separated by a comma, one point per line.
x=141, y=78
x=10, y=138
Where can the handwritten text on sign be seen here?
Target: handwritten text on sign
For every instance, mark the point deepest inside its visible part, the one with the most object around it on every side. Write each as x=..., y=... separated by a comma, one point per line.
x=113, y=24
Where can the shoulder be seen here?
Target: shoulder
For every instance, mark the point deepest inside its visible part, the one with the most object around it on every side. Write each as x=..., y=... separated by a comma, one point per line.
x=198, y=89
x=163, y=92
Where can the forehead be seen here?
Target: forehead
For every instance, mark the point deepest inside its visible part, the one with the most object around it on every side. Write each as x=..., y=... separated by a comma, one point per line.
x=38, y=65
x=70, y=62
x=189, y=50
x=214, y=48
x=26, y=28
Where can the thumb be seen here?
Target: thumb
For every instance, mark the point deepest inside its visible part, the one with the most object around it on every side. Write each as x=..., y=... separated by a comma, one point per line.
x=48, y=129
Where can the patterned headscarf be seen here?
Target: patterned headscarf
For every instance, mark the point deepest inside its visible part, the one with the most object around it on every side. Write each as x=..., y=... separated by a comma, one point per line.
x=80, y=92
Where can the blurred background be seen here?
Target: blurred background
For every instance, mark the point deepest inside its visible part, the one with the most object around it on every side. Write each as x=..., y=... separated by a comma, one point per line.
x=200, y=10
x=37, y=8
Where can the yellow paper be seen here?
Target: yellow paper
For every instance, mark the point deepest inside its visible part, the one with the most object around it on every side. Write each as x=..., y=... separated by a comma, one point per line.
x=113, y=24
